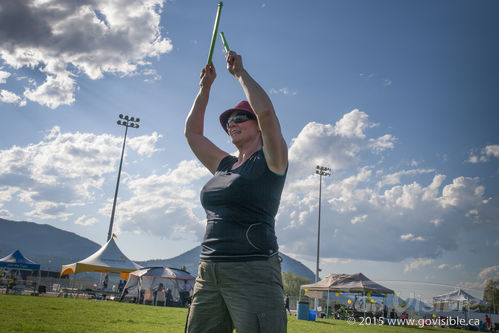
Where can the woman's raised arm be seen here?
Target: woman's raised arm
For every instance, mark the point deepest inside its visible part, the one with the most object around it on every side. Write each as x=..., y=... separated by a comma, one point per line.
x=205, y=150
x=274, y=146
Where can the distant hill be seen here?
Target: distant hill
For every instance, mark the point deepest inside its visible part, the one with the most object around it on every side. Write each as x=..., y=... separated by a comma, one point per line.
x=47, y=245
x=52, y=247
x=418, y=305
x=190, y=260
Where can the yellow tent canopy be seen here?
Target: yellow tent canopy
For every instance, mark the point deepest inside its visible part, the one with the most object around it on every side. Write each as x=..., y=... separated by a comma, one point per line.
x=107, y=259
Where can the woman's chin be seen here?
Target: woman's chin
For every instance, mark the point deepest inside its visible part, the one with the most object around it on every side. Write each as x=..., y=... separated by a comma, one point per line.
x=235, y=139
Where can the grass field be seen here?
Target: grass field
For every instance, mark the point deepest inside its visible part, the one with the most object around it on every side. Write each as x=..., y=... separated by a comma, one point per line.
x=57, y=314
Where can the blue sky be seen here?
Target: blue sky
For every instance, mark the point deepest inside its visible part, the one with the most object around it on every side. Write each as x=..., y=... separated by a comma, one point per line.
x=399, y=98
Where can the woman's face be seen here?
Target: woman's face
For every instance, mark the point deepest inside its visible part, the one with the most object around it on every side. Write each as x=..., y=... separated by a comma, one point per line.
x=241, y=127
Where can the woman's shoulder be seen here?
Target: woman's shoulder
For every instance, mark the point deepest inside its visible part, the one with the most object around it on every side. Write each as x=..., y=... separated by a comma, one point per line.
x=226, y=163
x=261, y=155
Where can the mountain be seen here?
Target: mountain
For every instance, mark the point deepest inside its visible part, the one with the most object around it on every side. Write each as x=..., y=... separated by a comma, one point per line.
x=52, y=247
x=46, y=245
x=190, y=260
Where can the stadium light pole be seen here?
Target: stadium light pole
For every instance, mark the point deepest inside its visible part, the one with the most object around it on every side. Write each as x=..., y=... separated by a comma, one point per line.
x=127, y=122
x=321, y=171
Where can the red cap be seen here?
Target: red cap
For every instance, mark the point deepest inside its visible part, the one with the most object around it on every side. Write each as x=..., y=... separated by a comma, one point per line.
x=243, y=106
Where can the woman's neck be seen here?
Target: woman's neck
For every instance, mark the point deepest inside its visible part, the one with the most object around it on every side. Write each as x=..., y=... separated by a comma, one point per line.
x=247, y=150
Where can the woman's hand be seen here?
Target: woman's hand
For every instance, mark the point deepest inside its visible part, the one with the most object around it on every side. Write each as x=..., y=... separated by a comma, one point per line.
x=234, y=63
x=208, y=75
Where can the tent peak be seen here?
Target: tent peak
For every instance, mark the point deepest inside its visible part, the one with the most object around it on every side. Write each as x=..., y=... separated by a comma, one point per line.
x=17, y=260
x=108, y=258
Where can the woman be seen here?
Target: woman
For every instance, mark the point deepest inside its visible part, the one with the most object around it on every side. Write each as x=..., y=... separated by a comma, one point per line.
x=239, y=281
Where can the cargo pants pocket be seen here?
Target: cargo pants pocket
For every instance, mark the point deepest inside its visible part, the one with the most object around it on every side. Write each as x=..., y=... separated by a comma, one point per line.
x=274, y=321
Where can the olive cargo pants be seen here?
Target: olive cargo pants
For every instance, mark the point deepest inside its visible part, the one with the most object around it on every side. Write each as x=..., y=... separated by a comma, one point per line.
x=246, y=295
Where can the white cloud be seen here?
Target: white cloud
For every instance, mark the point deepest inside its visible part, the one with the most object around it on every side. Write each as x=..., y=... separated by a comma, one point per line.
x=4, y=213
x=145, y=144
x=3, y=76
x=410, y=237
x=462, y=190
x=63, y=40
x=337, y=147
x=352, y=125
x=57, y=90
x=401, y=210
x=417, y=264
x=477, y=285
x=358, y=219
x=382, y=143
x=491, y=272
x=492, y=150
x=485, y=154
x=45, y=209
x=436, y=222
x=64, y=172
x=5, y=195
x=85, y=221
x=446, y=266
x=60, y=172
x=9, y=97
x=163, y=205
x=284, y=91
x=366, y=210
x=395, y=178
x=366, y=76
x=336, y=261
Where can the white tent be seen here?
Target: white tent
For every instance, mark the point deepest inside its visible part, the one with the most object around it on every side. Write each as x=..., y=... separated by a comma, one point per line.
x=345, y=283
x=159, y=285
x=459, y=297
x=108, y=259
x=349, y=283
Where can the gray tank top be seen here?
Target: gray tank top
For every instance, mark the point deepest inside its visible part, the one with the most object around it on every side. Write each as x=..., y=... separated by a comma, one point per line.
x=240, y=206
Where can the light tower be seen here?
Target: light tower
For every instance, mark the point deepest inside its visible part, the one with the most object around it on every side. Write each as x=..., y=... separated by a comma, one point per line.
x=127, y=122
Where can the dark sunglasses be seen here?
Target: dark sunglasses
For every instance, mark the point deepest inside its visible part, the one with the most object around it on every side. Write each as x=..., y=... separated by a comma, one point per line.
x=240, y=118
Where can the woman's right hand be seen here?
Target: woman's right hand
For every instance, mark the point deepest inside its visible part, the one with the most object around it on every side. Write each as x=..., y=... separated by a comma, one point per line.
x=208, y=75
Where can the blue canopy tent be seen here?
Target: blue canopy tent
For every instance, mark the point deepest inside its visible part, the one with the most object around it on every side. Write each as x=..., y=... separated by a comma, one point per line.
x=17, y=261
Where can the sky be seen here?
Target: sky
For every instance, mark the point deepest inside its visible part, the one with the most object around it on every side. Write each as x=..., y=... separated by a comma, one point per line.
x=398, y=98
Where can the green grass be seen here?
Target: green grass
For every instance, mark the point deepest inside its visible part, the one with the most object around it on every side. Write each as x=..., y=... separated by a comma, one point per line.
x=57, y=314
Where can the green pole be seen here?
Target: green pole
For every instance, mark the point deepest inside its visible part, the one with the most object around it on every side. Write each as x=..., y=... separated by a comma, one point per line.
x=215, y=29
x=226, y=46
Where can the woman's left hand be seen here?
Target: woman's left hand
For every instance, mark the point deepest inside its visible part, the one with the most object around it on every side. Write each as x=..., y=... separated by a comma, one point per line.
x=234, y=63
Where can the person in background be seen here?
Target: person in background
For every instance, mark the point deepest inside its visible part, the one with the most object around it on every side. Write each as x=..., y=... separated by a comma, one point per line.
x=488, y=323
x=286, y=304
x=105, y=282
x=156, y=291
